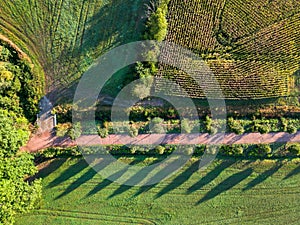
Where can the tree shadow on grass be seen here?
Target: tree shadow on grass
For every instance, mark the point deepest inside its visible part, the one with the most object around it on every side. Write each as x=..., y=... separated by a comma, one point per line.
x=161, y=175
x=263, y=176
x=86, y=177
x=294, y=172
x=109, y=180
x=135, y=180
x=50, y=168
x=69, y=173
x=227, y=184
x=210, y=176
x=180, y=179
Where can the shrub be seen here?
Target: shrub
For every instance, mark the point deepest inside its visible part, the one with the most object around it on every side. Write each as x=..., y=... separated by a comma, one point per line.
x=234, y=126
x=75, y=131
x=284, y=123
x=63, y=113
x=188, y=150
x=103, y=132
x=185, y=126
x=62, y=129
x=199, y=149
x=160, y=150
x=291, y=129
x=133, y=132
x=233, y=150
x=263, y=128
x=261, y=150
x=208, y=123
x=213, y=130
x=294, y=149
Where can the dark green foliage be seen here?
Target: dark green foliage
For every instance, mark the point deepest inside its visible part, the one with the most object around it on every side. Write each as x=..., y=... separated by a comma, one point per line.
x=103, y=132
x=234, y=126
x=19, y=88
x=284, y=124
x=75, y=131
x=231, y=150
x=261, y=128
x=291, y=129
x=160, y=150
x=63, y=113
x=17, y=195
x=294, y=149
x=62, y=129
x=261, y=150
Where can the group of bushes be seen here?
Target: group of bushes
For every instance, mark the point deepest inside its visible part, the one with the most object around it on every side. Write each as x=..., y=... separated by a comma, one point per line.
x=67, y=129
x=246, y=151
x=19, y=94
x=208, y=125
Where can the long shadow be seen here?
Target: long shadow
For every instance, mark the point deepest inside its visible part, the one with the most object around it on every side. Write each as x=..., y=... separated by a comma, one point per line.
x=180, y=179
x=70, y=172
x=135, y=180
x=76, y=184
x=210, y=176
x=227, y=184
x=161, y=175
x=85, y=177
x=263, y=176
x=106, y=182
x=50, y=168
x=294, y=172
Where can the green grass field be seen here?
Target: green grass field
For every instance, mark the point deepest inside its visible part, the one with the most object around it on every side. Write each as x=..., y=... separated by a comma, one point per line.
x=228, y=192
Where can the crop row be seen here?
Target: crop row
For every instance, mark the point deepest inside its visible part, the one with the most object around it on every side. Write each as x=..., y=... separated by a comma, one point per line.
x=257, y=63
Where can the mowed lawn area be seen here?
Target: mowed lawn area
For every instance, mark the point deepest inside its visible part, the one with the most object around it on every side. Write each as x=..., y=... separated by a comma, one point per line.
x=228, y=192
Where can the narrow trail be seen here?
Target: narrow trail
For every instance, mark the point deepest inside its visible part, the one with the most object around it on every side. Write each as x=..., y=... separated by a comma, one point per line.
x=48, y=139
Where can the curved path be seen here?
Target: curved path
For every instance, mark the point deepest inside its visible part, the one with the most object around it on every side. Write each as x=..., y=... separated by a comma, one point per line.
x=48, y=139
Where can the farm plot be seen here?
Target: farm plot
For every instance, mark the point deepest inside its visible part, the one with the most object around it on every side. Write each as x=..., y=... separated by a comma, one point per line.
x=251, y=56
x=65, y=36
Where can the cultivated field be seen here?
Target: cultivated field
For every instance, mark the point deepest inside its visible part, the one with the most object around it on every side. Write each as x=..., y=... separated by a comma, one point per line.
x=65, y=36
x=251, y=46
x=229, y=192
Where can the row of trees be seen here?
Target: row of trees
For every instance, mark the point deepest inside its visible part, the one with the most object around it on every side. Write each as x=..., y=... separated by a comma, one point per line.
x=17, y=99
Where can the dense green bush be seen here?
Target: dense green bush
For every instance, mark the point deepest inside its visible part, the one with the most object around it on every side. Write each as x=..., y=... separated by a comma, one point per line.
x=62, y=129
x=63, y=113
x=235, y=126
x=231, y=150
x=133, y=132
x=294, y=149
x=261, y=150
x=291, y=129
x=75, y=131
x=160, y=150
x=16, y=194
x=56, y=152
x=103, y=132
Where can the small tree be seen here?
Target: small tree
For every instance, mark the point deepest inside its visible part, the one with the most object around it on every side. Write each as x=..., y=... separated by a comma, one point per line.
x=75, y=131
x=185, y=126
